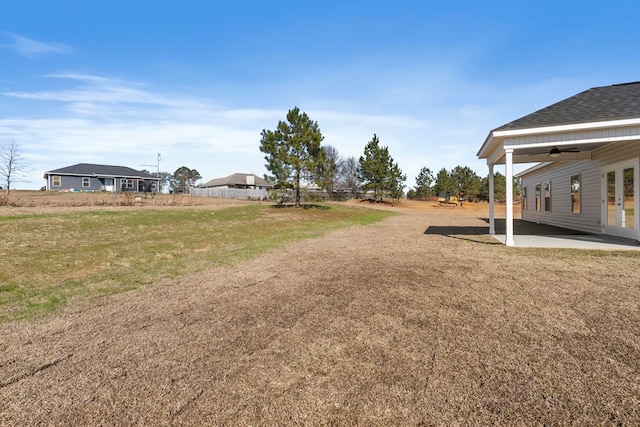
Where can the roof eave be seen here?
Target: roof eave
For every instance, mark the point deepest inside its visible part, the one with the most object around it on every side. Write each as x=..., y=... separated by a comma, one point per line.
x=496, y=136
x=565, y=128
x=485, y=145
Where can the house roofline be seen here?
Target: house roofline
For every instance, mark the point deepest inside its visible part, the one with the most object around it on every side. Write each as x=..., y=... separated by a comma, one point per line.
x=100, y=175
x=487, y=142
x=500, y=135
x=565, y=128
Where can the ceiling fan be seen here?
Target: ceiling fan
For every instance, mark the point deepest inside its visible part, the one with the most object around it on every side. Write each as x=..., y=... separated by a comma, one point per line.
x=555, y=151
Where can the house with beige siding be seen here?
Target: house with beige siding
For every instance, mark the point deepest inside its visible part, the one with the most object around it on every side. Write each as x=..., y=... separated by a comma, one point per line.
x=239, y=180
x=586, y=151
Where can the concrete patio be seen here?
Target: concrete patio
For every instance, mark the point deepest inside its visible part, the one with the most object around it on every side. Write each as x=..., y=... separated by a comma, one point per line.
x=532, y=235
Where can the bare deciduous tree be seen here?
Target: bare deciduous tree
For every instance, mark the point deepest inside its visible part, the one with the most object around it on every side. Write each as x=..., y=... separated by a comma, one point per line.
x=13, y=166
x=348, y=175
x=327, y=169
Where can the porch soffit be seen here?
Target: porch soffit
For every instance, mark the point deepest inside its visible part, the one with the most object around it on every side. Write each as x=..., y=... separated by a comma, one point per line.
x=534, y=146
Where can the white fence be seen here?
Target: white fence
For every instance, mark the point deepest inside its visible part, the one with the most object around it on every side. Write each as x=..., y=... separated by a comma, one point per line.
x=231, y=193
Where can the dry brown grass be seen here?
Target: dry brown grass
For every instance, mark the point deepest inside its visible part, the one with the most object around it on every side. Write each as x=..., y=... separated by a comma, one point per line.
x=28, y=201
x=376, y=325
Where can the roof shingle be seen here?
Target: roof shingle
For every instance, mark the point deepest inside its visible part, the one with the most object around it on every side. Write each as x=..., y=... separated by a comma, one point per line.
x=615, y=102
x=89, y=169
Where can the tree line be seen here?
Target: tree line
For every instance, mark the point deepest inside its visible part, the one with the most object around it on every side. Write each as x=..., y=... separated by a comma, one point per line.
x=375, y=172
x=460, y=180
x=178, y=182
x=296, y=157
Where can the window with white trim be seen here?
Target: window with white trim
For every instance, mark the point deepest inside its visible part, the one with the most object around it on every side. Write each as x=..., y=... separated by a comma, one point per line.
x=538, y=197
x=126, y=184
x=86, y=182
x=524, y=198
x=56, y=181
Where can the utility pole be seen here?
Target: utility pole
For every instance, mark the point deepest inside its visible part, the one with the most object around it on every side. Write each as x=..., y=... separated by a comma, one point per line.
x=157, y=166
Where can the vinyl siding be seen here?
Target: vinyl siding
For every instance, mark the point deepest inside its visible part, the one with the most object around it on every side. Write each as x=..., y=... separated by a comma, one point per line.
x=589, y=218
x=95, y=183
x=75, y=182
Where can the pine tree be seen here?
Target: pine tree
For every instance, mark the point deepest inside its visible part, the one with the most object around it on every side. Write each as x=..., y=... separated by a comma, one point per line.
x=445, y=183
x=293, y=151
x=379, y=172
x=424, y=180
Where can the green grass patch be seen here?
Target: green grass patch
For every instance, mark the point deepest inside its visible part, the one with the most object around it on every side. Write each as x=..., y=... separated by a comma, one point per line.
x=47, y=259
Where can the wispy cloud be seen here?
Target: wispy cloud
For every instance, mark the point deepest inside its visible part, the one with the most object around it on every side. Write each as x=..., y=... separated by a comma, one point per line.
x=113, y=121
x=30, y=48
x=97, y=96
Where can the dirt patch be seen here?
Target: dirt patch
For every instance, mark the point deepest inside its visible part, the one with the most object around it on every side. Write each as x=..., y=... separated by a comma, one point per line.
x=376, y=325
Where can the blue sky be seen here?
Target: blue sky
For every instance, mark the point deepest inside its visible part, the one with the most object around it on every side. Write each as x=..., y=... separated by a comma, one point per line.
x=115, y=82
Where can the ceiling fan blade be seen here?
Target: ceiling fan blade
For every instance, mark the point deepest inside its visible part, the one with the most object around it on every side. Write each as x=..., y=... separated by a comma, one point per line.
x=555, y=151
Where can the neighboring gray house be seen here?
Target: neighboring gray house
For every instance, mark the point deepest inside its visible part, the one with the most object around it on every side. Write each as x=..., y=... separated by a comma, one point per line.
x=239, y=180
x=588, y=149
x=90, y=177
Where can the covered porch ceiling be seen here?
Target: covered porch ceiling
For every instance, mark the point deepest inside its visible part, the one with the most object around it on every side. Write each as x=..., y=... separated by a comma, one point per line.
x=556, y=143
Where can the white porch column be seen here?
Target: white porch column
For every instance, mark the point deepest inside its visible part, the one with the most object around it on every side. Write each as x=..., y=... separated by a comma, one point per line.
x=509, y=197
x=492, y=216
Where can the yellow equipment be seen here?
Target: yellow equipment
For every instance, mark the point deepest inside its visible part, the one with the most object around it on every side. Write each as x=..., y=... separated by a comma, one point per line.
x=447, y=199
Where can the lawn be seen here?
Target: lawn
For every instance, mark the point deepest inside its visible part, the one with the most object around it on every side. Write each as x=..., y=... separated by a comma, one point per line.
x=375, y=325
x=50, y=257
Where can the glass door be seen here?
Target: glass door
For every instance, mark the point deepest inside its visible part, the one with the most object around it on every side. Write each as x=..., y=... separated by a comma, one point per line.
x=620, y=201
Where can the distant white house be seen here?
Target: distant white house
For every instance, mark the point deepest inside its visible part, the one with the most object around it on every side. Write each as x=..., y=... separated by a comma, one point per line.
x=239, y=180
x=588, y=153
